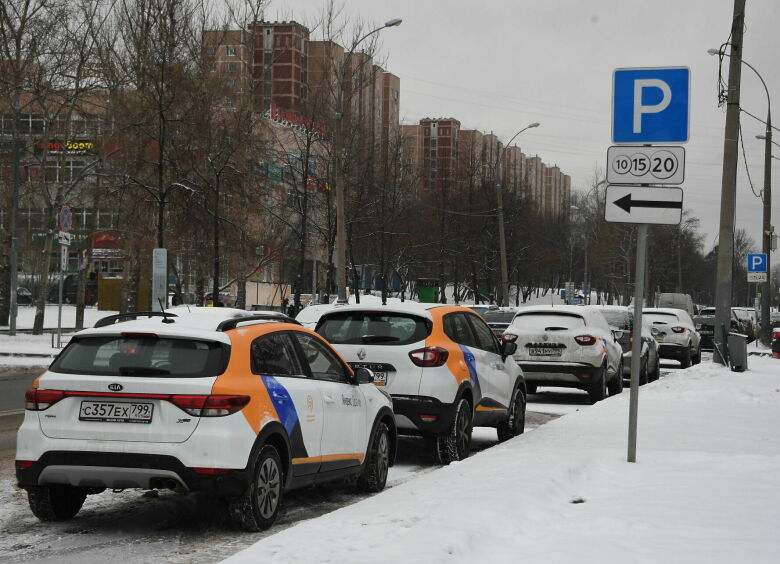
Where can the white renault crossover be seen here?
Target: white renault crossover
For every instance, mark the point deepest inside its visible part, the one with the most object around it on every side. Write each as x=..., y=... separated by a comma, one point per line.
x=676, y=334
x=567, y=346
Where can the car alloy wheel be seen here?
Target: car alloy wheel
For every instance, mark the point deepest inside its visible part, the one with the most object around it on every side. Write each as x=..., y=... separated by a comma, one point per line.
x=268, y=488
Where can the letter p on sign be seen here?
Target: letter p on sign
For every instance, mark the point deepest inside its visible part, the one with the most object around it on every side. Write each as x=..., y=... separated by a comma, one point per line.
x=650, y=105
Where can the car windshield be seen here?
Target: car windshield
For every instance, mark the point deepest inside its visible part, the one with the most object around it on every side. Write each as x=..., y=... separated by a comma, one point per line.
x=707, y=311
x=545, y=321
x=499, y=316
x=142, y=356
x=659, y=318
x=372, y=327
x=617, y=318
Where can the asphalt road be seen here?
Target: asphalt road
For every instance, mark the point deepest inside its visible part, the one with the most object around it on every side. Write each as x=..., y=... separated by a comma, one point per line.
x=14, y=381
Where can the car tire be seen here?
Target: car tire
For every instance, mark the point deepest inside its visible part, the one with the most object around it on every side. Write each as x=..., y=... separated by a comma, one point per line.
x=374, y=476
x=598, y=389
x=455, y=444
x=514, y=424
x=685, y=360
x=697, y=359
x=615, y=387
x=656, y=373
x=256, y=509
x=531, y=388
x=55, y=503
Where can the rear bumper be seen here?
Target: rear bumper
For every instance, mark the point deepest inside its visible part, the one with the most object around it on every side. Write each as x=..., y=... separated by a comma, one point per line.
x=439, y=418
x=672, y=351
x=567, y=375
x=126, y=470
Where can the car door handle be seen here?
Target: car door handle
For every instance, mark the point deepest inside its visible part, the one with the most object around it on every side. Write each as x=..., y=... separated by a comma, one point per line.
x=328, y=399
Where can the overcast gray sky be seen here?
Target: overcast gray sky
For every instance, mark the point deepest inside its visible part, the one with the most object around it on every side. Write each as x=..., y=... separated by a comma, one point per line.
x=498, y=65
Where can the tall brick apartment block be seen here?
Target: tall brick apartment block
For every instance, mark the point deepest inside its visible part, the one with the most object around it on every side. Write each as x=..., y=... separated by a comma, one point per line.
x=439, y=152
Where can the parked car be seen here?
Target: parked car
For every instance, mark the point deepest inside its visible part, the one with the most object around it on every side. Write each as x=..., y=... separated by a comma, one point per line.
x=676, y=301
x=443, y=367
x=622, y=319
x=567, y=346
x=677, y=335
x=208, y=399
x=499, y=319
x=776, y=342
x=705, y=325
x=749, y=320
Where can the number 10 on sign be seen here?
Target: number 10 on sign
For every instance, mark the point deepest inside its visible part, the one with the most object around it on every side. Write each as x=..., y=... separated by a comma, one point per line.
x=644, y=164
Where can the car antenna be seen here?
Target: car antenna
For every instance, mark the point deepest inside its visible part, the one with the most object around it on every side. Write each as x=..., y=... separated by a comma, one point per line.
x=166, y=319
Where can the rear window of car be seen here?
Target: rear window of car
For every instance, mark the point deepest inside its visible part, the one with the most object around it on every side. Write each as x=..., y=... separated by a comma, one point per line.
x=142, y=356
x=373, y=327
x=708, y=311
x=498, y=316
x=543, y=321
x=617, y=318
x=661, y=318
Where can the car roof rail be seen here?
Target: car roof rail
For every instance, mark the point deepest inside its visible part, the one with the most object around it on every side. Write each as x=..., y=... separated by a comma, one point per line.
x=118, y=318
x=233, y=322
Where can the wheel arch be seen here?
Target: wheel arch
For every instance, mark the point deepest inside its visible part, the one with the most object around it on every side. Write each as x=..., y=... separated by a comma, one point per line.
x=385, y=415
x=275, y=434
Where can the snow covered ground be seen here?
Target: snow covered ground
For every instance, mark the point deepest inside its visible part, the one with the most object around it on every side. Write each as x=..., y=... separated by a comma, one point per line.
x=705, y=488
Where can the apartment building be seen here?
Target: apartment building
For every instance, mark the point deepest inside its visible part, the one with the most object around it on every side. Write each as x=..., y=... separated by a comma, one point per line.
x=439, y=139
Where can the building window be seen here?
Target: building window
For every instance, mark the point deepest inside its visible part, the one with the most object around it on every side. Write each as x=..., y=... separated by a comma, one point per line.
x=213, y=67
x=211, y=51
x=231, y=82
x=230, y=67
x=230, y=51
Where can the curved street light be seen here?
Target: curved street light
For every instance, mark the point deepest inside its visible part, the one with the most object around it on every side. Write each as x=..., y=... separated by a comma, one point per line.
x=341, y=220
x=501, y=235
x=766, y=231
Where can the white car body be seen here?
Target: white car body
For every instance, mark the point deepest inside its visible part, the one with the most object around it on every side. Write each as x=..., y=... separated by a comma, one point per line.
x=553, y=348
x=121, y=425
x=677, y=336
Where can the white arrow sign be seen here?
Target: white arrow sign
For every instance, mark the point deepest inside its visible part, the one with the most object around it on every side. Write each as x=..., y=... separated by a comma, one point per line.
x=639, y=204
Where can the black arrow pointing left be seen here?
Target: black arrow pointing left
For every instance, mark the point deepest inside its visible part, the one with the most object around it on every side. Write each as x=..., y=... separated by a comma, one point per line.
x=626, y=203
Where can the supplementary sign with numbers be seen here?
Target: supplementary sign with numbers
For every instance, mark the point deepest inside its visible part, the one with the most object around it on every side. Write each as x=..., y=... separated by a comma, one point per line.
x=651, y=105
x=639, y=204
x=630, y=164
x=756, y=267
x=64, y=237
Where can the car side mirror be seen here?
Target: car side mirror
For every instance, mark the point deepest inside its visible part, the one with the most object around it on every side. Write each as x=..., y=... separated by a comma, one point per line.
x=618, y=334
x=508, y=348
x=364, y=376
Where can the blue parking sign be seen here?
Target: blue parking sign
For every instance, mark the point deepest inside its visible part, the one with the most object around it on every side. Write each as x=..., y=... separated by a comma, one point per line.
x=651, y=105
x=756, y=262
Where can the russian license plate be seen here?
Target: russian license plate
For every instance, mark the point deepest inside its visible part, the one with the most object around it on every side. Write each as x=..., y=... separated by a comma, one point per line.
x=544, y=351
x=380, y=378
x=116, y=412
x=659, y=338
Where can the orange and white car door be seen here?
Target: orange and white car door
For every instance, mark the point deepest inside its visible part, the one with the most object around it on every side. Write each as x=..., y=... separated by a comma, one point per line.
x=294, y=395
x=495, y=380
x=345, y=430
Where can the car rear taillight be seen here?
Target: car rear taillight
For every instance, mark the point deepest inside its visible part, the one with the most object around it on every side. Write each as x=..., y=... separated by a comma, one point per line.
x=209, y=406
x=429, y=356
x=678, y=329
x=585, y=340
x=23, y=464
x=509, y=337
x=429, y=418
x=39, y=400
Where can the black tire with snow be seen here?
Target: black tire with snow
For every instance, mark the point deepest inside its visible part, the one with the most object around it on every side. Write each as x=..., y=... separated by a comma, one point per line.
x=598, y=389
x=685, y=359
x=257, y=508
x=515, y=423
x=616, y=385
x=455, y=444
x=55, y=503
x=374, y=476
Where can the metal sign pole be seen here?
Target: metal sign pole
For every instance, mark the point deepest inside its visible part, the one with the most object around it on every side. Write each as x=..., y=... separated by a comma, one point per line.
x=63, y=251
x=636, y=345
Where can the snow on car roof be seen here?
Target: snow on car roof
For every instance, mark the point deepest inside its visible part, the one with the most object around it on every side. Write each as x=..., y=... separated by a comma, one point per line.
x=416, y=308
x=664, y=310
x=582, y=311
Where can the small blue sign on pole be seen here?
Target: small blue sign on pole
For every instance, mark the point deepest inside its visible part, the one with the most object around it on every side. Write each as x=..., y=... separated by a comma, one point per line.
x=756, y=262
x=651, y=105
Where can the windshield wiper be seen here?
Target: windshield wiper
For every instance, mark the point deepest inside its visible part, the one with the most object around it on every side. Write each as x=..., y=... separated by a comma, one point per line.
x=555, y=328
x=377, y=338
x=142, y=371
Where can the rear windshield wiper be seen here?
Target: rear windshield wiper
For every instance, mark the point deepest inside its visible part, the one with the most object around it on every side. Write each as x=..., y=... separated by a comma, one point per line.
x=555, y=328
x=142, y=371
x=377, y=338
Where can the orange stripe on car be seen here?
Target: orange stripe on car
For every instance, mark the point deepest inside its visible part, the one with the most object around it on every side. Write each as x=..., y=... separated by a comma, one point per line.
x=329, y=458
x=438, y=338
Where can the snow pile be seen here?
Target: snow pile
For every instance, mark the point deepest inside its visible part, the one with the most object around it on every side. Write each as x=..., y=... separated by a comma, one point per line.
x=706, y=488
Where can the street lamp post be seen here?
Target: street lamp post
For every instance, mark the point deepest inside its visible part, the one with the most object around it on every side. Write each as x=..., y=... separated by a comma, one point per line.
x=500, y=206
x=341, y=219
x=766, y=231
